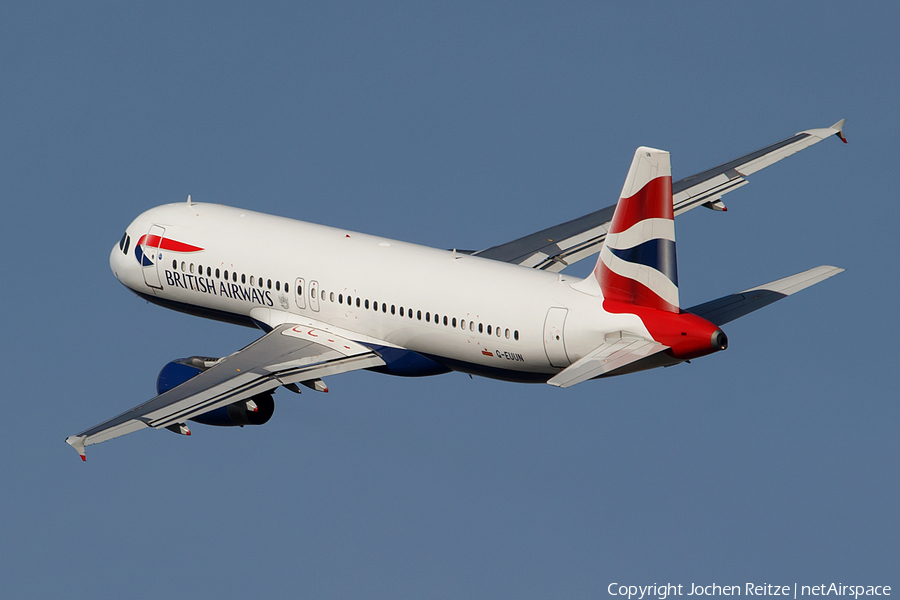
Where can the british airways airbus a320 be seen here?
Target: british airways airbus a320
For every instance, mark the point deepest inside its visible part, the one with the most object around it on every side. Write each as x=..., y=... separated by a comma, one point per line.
x=331, y=300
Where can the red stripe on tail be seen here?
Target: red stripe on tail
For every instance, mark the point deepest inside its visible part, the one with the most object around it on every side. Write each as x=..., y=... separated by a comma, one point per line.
x=653, y=201
x=628, y=291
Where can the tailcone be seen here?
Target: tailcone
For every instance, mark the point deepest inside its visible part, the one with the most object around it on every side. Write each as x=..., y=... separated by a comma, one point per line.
x=693, y=337
x=687, y=335
x=719, y=340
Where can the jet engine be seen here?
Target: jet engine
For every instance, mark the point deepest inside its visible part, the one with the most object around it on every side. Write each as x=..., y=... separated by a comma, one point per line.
x=256, y=410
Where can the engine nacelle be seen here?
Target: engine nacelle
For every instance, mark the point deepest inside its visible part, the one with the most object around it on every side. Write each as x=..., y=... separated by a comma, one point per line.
x=237, y=414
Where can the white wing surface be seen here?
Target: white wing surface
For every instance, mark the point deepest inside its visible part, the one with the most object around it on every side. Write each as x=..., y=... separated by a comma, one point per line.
x=288, y=354
x=555, y=248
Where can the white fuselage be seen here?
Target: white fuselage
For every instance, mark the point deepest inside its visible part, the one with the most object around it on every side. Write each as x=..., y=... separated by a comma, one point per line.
x=464, y=312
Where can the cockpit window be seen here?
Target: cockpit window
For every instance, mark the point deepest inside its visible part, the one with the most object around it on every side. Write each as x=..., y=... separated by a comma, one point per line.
x=122, y=241
x=127, y=243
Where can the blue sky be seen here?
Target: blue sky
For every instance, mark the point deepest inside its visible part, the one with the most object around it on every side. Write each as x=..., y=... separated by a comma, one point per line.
x=458, y=125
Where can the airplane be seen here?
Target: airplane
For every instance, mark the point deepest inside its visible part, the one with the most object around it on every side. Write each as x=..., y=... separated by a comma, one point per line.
x=330, y=300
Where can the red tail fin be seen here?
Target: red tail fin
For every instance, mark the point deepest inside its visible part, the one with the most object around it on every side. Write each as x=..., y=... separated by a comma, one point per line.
x=637, y=263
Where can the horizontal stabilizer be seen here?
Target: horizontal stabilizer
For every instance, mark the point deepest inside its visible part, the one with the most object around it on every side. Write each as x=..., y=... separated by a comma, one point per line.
x=734, y=306
x=607, y=357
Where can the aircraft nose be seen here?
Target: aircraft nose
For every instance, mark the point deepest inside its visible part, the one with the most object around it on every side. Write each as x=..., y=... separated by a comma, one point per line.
x=114, y=262
x=118, y=255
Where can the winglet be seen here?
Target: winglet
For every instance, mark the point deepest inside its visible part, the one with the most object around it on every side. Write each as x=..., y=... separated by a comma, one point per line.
x=77, y=442
x=839, y=126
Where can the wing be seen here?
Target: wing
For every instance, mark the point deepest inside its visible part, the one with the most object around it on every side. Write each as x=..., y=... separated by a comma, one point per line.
x=555, y=248
x=609, y=356
x=734, y=306
x=287, y=354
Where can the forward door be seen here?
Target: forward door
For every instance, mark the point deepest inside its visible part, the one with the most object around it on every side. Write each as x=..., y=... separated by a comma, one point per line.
x=152, y=256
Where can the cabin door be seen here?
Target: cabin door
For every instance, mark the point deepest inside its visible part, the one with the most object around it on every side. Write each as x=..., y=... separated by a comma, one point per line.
x=314, y=295
x=151, y=255
x=554, y=343
x=300, y=289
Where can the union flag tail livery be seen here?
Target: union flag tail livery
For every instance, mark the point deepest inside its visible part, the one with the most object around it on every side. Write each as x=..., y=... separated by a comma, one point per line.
x=637, y=263
x=637, y=275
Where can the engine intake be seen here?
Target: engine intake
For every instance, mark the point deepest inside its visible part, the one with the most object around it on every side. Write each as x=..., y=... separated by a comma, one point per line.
x=236, y=414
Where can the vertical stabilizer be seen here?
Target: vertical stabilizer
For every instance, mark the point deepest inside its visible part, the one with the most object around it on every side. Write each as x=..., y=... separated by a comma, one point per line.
x=637, y=263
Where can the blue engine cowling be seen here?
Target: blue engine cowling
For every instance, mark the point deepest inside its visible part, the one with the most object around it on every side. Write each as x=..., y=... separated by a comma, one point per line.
x=180, y=370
